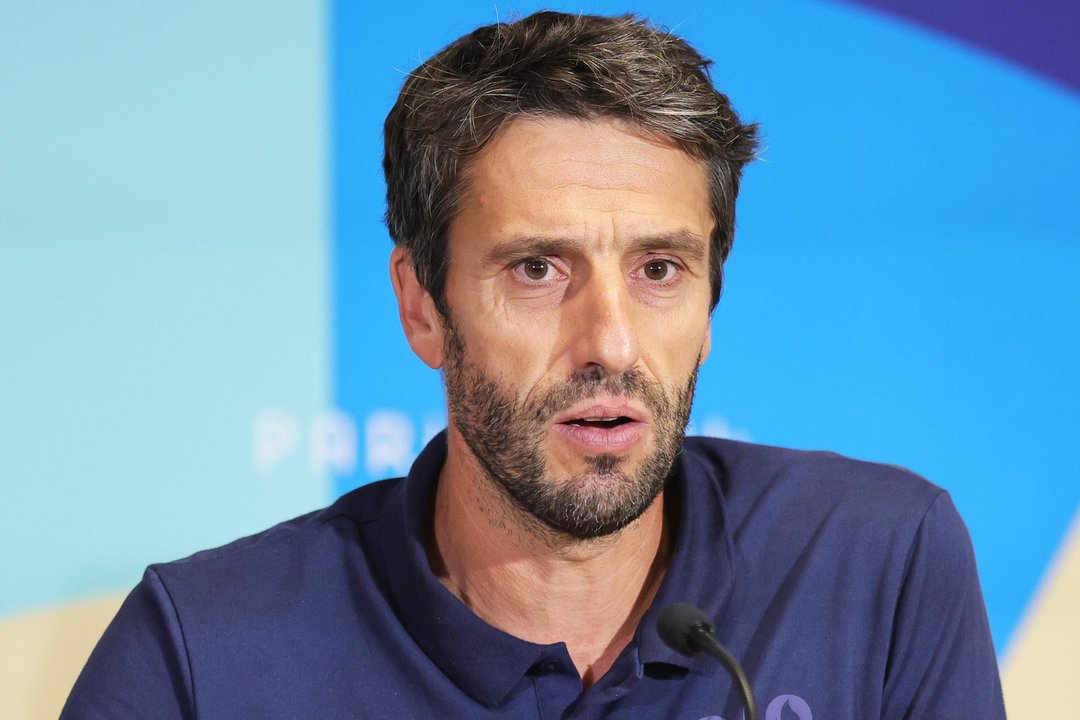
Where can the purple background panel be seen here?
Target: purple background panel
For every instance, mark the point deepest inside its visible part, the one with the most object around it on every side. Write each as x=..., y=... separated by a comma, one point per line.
x=1042, y=35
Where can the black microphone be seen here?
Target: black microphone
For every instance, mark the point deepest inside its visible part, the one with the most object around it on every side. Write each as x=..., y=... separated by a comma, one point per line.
x=688, y=631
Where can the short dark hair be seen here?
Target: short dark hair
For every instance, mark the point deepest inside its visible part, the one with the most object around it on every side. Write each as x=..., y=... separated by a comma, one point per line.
x=551, y=64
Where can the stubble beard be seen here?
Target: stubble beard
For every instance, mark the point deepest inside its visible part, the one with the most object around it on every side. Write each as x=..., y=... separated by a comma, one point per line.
x=507, y=436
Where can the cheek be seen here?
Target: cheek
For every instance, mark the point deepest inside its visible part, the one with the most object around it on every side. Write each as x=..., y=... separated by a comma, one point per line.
x=517, y=347
x=676, y=344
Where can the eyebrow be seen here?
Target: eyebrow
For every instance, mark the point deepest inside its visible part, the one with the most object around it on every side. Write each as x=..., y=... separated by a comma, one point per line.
x=682, y=242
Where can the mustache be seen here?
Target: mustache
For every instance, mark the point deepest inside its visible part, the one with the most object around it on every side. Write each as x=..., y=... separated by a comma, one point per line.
x=589, y=383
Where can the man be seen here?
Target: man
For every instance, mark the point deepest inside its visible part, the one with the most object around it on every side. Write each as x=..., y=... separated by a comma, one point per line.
x=561, y=194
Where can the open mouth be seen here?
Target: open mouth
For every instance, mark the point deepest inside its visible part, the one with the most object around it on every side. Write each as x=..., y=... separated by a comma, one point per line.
x=607, y=426
x=604, y=423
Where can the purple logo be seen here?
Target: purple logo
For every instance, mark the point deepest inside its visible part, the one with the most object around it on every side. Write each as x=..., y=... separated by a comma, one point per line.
x=775, y=710
x=796, y=704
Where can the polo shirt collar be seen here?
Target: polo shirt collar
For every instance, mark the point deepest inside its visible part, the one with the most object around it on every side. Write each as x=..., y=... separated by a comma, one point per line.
x=482, y=660
x=485, y=662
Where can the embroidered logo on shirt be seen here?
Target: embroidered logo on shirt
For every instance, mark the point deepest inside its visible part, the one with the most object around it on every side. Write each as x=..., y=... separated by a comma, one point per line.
x=796, y=706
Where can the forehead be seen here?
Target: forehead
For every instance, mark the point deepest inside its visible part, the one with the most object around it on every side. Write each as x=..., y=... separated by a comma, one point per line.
x=563, y=173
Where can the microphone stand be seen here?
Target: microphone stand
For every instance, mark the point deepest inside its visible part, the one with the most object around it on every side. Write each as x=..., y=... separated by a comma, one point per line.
x=689, y=631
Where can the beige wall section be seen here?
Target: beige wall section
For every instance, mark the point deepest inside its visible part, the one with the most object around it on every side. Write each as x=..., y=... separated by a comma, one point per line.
x=41, y=654
x=1039, y=671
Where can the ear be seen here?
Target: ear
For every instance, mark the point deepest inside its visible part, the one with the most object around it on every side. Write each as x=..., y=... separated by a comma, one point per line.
x=707, y=345
x=419, y=318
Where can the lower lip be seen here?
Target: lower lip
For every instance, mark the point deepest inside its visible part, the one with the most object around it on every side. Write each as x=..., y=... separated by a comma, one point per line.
x=602, y=441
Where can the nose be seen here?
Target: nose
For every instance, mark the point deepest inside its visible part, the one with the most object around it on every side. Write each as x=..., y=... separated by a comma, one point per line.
x=604, y=335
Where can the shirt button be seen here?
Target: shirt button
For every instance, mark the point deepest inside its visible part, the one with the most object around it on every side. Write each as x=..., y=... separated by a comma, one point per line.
x=549, y=666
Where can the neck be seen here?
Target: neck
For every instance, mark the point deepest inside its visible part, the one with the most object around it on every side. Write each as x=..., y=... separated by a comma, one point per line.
x=536, y=584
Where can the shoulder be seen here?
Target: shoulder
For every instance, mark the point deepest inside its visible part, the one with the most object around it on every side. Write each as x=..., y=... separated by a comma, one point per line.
x=248, y=628
x=289, y=559
x=836, y=558
x=834, y=516
x=778, y=503
x=813, y=482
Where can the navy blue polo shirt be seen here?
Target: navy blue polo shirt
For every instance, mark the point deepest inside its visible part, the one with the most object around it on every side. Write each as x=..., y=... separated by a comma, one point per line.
x=846, y=589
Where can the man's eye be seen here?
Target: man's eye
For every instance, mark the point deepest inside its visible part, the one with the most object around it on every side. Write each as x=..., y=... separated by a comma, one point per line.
x=536, y=268
x=658, y=270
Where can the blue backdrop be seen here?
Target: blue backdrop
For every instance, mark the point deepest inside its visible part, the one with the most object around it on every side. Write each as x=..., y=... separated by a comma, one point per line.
x=902, y=286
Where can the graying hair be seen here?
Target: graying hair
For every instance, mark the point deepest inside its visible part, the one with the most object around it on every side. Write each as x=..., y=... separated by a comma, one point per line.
x=550, y=64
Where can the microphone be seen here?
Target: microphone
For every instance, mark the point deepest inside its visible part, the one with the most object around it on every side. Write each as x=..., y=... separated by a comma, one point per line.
x=688, y=631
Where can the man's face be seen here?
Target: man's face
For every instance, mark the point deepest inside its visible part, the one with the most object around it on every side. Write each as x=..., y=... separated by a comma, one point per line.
x=579, y=296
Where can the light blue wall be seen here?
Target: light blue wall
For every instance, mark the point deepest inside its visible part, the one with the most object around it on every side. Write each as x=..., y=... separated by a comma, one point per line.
x=163, y=271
